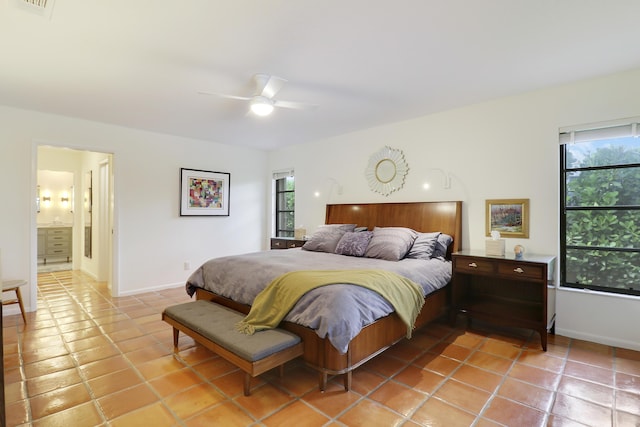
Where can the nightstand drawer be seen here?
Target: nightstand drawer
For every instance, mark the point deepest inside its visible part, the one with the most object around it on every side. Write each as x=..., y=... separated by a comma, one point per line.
x=285, y=243
x=520, y=271
x=474, y=265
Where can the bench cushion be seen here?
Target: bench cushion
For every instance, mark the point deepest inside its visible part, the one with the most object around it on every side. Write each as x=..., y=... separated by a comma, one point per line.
x=218, y=324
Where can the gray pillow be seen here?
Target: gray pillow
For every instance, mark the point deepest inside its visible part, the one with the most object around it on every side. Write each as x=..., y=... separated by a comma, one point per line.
x=326, y=237
x=424, y=246
x=354, y=243
x=390, y=243
x=444, y=240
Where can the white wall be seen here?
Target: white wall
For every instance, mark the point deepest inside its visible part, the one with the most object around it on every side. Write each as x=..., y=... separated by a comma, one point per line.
x=152, y=241
x=506, y=148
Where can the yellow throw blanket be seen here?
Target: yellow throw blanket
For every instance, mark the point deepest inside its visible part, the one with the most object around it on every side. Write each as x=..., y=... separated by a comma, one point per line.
x=276, y=300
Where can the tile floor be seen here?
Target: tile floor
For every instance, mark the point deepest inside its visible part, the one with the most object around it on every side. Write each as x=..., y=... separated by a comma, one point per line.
x=87, y=359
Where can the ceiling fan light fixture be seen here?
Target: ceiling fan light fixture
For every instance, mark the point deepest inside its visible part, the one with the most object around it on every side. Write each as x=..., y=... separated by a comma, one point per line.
x=261, y=105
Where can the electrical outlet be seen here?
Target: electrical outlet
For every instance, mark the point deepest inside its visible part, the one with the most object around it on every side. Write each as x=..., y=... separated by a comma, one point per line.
x=187, y=265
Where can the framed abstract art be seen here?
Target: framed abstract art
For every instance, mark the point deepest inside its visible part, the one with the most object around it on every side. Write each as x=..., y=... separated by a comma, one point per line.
x=204, y=193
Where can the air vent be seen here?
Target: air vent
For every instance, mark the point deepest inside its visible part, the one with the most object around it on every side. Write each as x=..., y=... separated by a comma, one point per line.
x=38, y=7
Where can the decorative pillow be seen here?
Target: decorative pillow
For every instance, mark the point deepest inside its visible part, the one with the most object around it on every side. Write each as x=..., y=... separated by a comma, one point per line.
x=326, y=237
x=354, y=243
x=444, y=240
x=424, y=246
x=390, y=243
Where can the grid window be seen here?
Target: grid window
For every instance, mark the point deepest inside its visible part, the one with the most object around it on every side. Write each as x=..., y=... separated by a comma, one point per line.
x=600, y=215
x=285, y=206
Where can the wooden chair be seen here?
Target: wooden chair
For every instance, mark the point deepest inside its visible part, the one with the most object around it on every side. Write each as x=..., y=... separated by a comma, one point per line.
x=14, y=285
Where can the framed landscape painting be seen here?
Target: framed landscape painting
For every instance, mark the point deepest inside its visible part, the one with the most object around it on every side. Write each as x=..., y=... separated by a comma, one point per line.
x=509, y=217
x=204, y=193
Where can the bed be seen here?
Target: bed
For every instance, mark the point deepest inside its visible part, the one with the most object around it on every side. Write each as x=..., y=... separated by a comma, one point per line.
x=322, y=353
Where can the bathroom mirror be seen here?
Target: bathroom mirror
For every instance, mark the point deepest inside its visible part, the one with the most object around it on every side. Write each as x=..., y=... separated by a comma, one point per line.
x=386, y=171
x=88, y=201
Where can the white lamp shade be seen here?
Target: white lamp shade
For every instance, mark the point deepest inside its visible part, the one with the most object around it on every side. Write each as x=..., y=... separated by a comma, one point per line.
x=261, y=106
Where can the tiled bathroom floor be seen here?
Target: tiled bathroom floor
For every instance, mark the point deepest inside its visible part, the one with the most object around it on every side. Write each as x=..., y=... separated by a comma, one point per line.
x=88, y=359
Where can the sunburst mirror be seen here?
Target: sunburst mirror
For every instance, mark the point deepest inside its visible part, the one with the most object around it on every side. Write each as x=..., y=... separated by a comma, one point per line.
x=386, y=170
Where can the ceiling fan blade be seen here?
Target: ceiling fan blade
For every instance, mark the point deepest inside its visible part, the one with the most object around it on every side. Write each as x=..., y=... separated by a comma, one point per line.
x=294, y=105
x=222, y=95
x=268, y=86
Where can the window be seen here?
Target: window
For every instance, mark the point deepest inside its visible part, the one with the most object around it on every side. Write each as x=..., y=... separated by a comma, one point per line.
x=285, y=198
x=600, y=209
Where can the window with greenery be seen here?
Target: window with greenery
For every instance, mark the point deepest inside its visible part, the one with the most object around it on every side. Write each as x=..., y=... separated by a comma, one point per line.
x=600, y=212
x=284, y=205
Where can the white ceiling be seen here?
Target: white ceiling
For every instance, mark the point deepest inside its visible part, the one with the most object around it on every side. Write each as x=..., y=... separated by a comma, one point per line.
x=141, y=63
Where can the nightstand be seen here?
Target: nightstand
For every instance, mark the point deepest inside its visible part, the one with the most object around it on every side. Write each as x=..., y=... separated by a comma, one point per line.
x=286, y=243
x=503, y=290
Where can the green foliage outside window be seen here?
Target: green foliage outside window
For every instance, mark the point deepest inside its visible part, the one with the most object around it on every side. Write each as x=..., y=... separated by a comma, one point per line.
x=602, y=215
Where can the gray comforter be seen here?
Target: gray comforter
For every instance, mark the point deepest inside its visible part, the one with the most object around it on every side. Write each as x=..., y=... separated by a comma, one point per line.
x=337, y=312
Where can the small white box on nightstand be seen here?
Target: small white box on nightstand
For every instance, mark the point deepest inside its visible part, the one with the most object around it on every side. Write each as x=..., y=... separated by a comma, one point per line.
x=494, y=247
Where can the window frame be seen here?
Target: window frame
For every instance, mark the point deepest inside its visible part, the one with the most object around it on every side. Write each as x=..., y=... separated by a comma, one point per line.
x=565, y=210
x=280, y=195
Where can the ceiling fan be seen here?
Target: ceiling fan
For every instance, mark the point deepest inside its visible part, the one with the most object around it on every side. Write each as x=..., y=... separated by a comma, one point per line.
x=263, y=102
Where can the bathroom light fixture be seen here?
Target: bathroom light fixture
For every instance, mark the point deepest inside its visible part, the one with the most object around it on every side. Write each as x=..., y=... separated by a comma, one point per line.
x=46, y=199
x=64, y=199
x=261, y=105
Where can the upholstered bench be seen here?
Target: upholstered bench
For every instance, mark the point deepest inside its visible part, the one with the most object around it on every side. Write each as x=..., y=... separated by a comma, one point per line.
x=213, y=326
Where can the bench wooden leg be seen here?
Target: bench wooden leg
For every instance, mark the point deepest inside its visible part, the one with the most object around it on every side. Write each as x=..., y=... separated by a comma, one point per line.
x=247, y=384
x=176, y=332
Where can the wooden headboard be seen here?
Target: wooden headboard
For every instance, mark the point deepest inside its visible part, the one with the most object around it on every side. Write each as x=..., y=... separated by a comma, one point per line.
x=420, y=216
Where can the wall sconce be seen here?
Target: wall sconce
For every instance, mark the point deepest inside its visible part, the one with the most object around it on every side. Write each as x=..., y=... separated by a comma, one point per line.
x=46, y=199
x=64, y=199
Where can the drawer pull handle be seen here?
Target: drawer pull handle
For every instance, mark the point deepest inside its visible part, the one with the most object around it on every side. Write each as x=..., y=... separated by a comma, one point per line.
x=473, y=265
x=518, y=270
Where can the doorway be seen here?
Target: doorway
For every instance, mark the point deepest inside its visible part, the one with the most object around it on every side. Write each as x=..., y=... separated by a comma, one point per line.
x=91, y=205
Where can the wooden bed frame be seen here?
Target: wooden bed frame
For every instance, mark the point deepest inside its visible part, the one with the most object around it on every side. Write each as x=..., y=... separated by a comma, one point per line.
x=385, y=332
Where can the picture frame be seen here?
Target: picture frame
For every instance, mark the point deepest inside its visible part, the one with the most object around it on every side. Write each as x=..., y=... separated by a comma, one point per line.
x=509, y=217
x=204, y=193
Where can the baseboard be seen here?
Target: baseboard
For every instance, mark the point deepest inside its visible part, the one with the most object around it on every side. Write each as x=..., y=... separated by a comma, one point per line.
x=153, y=289
x=598, y=339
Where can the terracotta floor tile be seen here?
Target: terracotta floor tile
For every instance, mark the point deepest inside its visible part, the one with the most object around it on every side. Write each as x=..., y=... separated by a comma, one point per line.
x=298, y=414
x=332, y=401
x=40, y=354
x=477, y=377
x=581, y=411
x=146, y=354
x=88, y=343
x=365, y=411
x=420, y=379
x=508, y=412
x=535, y=376
x=104, y=366
x=156, y=415
x=136, y=343
x=399, y=397
x=363, y=381
x=585, y=390
x=543, y=360
x=160, y=366
x=626, y=419
x=121, y=402
x=214, y=368
x=189, y=402
x=527, y=394
x=463, y=396
x=58, y=400
x=113, y=382
x=385, y=365
x=628, y=402
x=82, y=415
x=630, y=383
x=17, y=413
x=466, y=339
x=231, y=384
x=437, y=363
x=196, y=354
x=451, y=350
x=438, y=413
x=48, y=366
x=227, y=414
x=491, y=362
x=96, y=353
x=49, y=382
x=15, y=391
x=583, y=355
x=501, y=348
x=589, y=373
x=174, y=382
x=264, y=400
x=628, y=366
